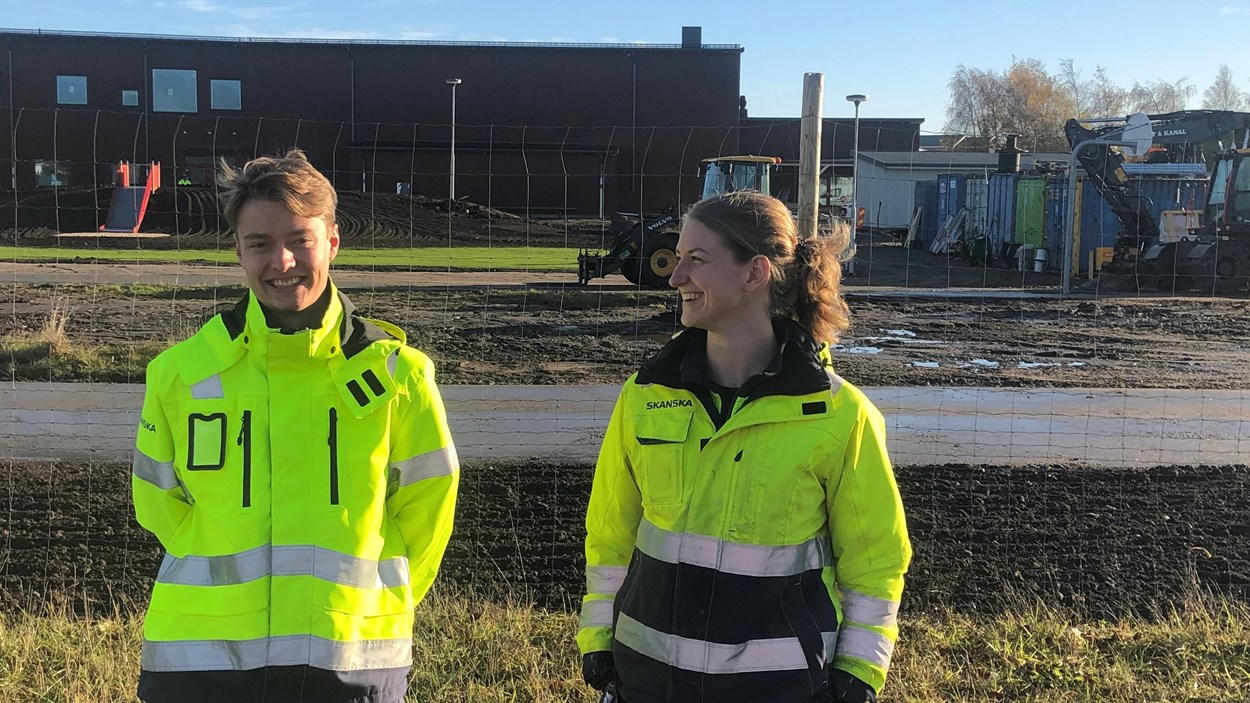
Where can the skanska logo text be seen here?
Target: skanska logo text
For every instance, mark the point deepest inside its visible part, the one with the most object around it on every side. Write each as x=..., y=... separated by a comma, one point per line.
x=675, y=403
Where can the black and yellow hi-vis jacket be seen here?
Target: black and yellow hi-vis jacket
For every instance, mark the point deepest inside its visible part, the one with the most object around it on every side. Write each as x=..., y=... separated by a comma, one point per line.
x=303, y=486
x=735, y=552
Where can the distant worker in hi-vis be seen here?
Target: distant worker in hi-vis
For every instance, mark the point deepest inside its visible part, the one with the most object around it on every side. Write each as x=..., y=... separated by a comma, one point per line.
x=294, y=461
x=745, y=535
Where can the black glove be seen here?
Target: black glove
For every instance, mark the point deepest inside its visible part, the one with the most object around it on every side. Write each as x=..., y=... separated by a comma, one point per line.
x=845, y=688
x=598, y=669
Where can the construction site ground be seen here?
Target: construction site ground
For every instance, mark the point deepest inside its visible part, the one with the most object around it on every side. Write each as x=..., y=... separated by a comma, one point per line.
x=546, y=334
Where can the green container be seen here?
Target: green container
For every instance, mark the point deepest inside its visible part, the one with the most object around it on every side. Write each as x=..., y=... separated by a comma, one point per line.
x=1031, y=211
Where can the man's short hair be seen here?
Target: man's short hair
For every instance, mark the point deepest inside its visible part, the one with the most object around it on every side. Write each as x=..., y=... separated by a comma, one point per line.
x=287, y=179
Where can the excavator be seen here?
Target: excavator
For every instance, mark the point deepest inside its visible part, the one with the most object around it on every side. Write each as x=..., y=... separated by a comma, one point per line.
x=644, y=248
x=1216, y=257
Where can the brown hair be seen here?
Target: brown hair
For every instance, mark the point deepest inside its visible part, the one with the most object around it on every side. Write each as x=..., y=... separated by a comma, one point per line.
x=806, y=276
x=287, y=179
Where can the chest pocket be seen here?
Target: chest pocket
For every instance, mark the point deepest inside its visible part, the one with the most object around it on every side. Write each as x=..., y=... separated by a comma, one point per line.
x=206, y=441
x=660, y=455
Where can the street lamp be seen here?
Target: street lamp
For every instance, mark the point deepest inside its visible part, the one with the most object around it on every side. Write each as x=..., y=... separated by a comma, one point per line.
x=451, y=187
x=856, y=98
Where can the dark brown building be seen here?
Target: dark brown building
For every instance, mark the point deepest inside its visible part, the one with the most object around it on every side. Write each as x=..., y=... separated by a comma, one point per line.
x=539, y=128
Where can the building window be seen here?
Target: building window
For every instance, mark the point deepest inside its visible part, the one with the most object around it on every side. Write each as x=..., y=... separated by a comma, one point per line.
x=71, y=90
x=174, y=91
x=225, y=95
x=130, y=98
x=51, y=173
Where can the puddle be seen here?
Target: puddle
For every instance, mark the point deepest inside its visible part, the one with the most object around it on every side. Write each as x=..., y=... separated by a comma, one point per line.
x=908, y=341
x=899, y=333
x=926, y=364
x=1035, y=364
x=857, y=350
x=983, y=363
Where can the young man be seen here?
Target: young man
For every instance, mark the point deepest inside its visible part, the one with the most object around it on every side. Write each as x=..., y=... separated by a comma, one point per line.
x=294, y=460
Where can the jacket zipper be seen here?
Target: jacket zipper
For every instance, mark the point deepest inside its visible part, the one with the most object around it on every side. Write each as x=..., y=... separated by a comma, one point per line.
x=245, y=441
x=334, y=456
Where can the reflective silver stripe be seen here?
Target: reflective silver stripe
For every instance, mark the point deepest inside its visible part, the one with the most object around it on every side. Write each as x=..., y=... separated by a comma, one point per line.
x=392, y=361
x=782, y=654
x=204, y=655
x=345, y=569
x=288, y=650
x=733, y=557
x=158, y=473
x=440, y=462
x=872, y=647
x=322, y=653
x=285, y=560
x=866, y=610
x=605, y=579
x=208, y=388
x=597, y=613
x=225, y=570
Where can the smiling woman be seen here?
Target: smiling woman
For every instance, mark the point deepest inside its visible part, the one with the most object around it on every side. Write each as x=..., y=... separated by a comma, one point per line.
x=740, y=475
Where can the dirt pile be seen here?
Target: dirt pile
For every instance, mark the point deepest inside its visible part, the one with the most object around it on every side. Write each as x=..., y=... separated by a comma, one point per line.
x=365, y=219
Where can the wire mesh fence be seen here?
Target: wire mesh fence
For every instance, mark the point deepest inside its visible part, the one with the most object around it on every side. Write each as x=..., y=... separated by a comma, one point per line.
x=1088, y=449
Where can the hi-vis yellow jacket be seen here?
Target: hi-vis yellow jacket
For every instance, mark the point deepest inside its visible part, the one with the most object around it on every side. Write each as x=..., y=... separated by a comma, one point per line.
x=303, y=486
x=733, y=552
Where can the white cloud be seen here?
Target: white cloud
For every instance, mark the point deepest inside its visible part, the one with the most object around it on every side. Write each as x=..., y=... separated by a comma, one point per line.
x=199, y=5
x=1231, y=10
x=263, y=12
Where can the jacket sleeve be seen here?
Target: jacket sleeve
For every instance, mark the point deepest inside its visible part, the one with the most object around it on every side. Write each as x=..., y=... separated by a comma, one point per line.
x=161, y=502
x=611, y=530
x=424, y=474
x=871, y=549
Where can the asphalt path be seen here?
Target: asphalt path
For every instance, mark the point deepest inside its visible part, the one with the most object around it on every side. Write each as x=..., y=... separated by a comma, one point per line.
x=925, y=425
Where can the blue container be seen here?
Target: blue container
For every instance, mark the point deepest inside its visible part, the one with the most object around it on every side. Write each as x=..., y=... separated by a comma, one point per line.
x=1001, y=215
x=952, y=192
x=926, y=200
x=1099, y=225
x=1056, y=211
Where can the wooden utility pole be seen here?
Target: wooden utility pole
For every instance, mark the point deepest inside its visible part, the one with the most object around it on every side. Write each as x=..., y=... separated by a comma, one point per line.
x=809, y=153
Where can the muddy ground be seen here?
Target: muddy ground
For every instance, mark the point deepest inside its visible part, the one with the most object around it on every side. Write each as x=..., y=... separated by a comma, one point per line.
x=575, y=336
x=1102, y=541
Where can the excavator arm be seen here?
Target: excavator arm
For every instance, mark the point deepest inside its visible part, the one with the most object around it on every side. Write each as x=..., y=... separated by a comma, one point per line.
x=1175, y=135
x=1104, y=166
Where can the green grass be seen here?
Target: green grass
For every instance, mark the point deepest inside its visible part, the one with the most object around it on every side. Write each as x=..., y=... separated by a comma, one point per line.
x=472, y=650
x=455, y=258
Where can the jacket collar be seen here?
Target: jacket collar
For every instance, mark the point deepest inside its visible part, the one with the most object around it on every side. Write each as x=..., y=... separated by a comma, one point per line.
x=798, y=369
x=246, y=323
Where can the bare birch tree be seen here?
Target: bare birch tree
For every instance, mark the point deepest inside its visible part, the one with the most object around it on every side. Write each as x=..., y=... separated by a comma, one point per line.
x=1223, y=94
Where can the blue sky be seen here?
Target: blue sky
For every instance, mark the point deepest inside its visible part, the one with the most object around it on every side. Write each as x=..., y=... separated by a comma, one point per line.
x=900, y=53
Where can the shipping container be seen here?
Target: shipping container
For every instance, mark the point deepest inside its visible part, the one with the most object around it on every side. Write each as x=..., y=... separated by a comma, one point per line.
x=1030, y=211
x=1099, y=224
x=976, y=202
x=1001, y=212
x=952, y=191
x=927, y=200
x=1056, y=212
